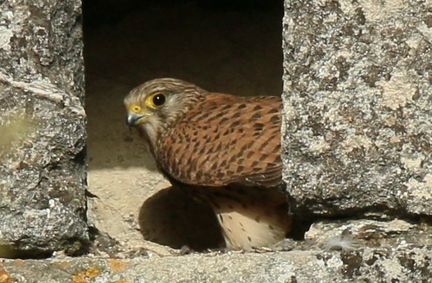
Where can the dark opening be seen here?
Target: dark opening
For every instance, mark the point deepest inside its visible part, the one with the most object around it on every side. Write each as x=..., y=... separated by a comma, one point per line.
x=231, y=46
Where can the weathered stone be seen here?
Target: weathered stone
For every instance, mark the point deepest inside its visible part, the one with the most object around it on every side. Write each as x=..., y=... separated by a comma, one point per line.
x=42, y=202
x=353, y=234
x=397, y=264
x=42, y=166
x=357, y=93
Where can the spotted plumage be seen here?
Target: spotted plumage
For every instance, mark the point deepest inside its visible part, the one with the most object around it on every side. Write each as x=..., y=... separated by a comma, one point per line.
x=221, y=148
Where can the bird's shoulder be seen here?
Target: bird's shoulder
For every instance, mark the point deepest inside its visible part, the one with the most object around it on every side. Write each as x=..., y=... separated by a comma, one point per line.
x=224, y=140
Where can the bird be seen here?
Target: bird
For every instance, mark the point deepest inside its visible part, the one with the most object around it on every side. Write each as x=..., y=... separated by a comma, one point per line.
x=221, y=149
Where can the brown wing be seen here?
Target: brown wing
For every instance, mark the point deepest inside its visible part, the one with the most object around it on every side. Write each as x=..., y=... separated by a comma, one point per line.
x=224, y=140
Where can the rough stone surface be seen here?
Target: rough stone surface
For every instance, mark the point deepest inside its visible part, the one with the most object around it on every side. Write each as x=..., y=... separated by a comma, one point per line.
x=357, y=92
x=398, y=264
x=42, y=185
x=42, y=120
x=375, y=251
x=354, y=234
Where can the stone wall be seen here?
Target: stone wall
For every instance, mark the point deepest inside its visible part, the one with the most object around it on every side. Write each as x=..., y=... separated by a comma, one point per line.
x=42, y=121
x=357, y=134
x=358, y=123
x=357, y=131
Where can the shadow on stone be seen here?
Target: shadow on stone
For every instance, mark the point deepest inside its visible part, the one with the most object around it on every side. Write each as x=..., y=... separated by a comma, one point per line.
x=11, y=251
x=300, y=227
x=172, y=218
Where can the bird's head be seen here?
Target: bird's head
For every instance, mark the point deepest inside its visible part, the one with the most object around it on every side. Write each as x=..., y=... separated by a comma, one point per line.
x=155, y=105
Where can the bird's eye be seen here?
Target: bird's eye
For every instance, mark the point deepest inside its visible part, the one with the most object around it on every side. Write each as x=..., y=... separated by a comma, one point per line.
x=158, y=99
x=155, y=100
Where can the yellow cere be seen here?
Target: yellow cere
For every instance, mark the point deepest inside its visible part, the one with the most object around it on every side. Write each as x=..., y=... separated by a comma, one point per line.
x=134, y=108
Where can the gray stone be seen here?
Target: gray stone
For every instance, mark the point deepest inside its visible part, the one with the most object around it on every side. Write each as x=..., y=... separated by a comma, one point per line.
x=358, y=108
x=357, y=85
x=397, y=264
x=42, y=120
x=354, y=234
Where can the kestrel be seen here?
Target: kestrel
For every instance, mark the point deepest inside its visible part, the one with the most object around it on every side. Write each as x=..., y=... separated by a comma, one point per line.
x=220, y=148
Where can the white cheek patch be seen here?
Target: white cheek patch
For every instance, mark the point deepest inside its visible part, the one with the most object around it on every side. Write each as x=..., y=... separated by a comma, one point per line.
x=152, y=127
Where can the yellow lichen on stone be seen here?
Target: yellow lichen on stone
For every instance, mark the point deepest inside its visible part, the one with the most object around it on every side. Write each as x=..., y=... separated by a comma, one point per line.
x=4, y=276
x=117, y=265
x=86, y=275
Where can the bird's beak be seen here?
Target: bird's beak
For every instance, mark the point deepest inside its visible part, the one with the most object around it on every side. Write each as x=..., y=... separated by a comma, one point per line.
x=132, y=120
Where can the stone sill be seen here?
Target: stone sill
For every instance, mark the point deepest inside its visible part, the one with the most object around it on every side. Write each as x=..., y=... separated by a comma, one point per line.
x=378, y=265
